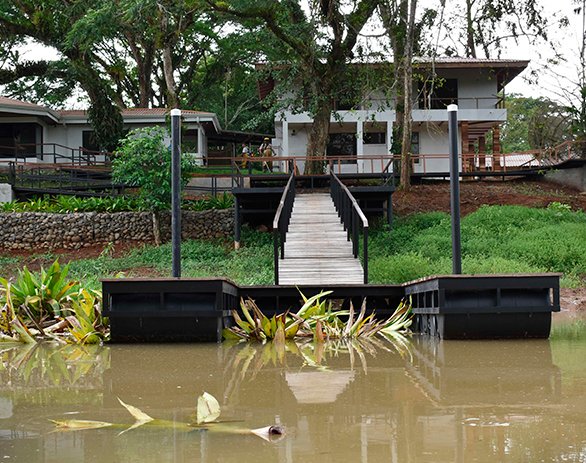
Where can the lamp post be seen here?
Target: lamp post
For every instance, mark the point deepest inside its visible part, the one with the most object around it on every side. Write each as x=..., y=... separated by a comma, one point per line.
x=455, y=189
x=176, y=191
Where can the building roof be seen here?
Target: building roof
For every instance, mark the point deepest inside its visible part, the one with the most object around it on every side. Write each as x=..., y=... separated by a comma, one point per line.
x=11, y=101
x=471, y=62
x=132, y=112
x=504, y=69
x=11, y=107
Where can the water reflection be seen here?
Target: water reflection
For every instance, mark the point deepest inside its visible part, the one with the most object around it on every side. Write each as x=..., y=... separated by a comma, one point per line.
x=420, y=400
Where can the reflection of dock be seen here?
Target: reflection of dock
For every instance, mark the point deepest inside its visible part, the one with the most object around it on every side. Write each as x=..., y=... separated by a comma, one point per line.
x=485, y=373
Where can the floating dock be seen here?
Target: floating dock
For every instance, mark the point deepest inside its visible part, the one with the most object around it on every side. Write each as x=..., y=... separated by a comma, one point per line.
x=445, y=306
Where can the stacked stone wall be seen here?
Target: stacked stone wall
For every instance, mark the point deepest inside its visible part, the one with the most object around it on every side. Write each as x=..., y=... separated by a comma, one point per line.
x=37, y=230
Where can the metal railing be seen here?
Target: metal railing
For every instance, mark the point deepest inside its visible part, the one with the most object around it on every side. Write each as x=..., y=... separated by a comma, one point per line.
x=421, y=103
x=63, y=179
x=281, y=222
x=350, y=213
x=55, y=153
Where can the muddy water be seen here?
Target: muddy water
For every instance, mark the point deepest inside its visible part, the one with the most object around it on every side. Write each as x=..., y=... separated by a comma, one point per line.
x=425, y=401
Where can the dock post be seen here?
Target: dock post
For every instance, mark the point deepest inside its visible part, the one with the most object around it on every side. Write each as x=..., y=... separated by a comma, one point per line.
x=455, y=189
x=176, y=191
x=236, y=223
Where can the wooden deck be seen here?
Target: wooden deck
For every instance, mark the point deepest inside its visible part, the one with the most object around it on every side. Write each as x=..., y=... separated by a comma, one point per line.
x=317, y=250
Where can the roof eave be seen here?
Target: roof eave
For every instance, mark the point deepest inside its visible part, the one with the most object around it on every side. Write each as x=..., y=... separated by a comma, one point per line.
x=31, y=111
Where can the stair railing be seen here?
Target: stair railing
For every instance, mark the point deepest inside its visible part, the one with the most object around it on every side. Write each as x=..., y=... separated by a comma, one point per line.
x=350, y=213
x=281, y=222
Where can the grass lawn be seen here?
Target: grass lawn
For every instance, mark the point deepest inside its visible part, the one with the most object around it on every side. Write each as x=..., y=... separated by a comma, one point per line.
x=495, y=239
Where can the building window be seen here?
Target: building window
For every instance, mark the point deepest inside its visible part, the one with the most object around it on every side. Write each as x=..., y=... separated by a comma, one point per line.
x=439, y=94
x=375, y=138
x=415, y=146
x=28, y=136
x=342, y=144
x=88, y=141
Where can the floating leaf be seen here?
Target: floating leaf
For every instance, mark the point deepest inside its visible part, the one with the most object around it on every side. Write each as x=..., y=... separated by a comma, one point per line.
x=77, y=425
x=208, y=408
x=138, y=415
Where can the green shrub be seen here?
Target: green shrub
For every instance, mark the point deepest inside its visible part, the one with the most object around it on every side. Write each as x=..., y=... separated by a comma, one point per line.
x=144, y=161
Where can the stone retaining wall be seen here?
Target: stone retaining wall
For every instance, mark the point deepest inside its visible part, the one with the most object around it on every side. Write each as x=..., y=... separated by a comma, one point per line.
x=32, y=230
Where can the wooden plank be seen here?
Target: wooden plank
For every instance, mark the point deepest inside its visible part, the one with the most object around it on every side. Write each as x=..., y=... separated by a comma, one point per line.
x=317, y=250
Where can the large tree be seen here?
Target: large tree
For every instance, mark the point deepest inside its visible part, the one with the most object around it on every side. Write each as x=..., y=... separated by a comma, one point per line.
x=399, y=20
x=49, y=22
x=487, y=25
x=318, y=48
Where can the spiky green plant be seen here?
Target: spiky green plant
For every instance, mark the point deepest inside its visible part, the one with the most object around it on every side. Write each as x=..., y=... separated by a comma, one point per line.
x=315, y=320
x=41, y=295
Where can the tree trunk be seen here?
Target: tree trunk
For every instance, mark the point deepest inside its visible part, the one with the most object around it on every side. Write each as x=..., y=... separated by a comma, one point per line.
x=407, y=78
x=470, y=43
x=406, y=129
x=169, y=78
x=318, y=138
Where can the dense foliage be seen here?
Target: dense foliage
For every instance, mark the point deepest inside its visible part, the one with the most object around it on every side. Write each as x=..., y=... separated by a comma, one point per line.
x=71, y=204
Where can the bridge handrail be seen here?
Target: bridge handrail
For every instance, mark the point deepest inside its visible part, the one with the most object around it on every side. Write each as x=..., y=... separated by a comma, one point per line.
x=281, y=222
x=349, y=211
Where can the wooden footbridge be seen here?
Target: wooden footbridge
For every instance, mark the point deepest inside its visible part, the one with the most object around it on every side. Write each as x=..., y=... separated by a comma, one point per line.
x=316, y=237
x=318, y=250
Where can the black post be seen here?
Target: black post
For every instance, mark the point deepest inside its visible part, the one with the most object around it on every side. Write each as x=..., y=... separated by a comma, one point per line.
x=455, y=189
x=276, y=254
x=236, y=223
x=390, y=211
x=176, y=191
x=365, y=251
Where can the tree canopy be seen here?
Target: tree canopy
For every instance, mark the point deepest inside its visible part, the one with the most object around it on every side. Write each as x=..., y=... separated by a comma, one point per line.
x=201, y=54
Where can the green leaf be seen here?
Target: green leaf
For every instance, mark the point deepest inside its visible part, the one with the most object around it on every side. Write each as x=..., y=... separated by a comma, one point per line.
x=208, y=408
x=76, y=425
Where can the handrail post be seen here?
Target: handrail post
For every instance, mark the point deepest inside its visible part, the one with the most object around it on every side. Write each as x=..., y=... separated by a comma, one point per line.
x=355, y=233
x=276, y=254
x=365, y=253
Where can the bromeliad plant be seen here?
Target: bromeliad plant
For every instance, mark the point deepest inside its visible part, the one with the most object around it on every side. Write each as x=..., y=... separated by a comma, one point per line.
x=49, y=306
x=42, y=295
x=314, y=320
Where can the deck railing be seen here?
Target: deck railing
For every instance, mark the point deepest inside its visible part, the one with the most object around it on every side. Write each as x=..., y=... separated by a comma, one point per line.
x=350, y=213
x=55, y=153
x=63, y=179
x=281, y=222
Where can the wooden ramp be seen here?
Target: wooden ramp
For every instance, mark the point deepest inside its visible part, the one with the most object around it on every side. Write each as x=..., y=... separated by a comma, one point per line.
x=317, y=250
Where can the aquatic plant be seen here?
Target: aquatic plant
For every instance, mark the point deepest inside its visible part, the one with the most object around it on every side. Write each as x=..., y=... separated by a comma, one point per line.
x=208, y=410
x=50, y=307
x=314, y=320
x=43, y=295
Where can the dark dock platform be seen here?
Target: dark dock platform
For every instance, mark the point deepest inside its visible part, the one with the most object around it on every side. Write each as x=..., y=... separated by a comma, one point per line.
x=485, y=306
x=445, y=306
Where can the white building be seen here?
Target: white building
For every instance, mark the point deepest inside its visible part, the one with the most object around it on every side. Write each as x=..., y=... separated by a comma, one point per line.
x=41, y=134
x=365, y=131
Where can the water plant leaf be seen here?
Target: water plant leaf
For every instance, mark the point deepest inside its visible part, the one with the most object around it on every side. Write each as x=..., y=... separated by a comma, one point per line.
x=229, y=334
x=208, y=408
x=269, y=433
x=77, y=425
x=138, y=414
x=319, y=334
x=24, y=334
x=280, y=334
x=308, y=302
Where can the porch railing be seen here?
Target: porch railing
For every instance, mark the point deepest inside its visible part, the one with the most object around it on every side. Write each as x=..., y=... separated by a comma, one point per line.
x=350, y=213
x=281, y=222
